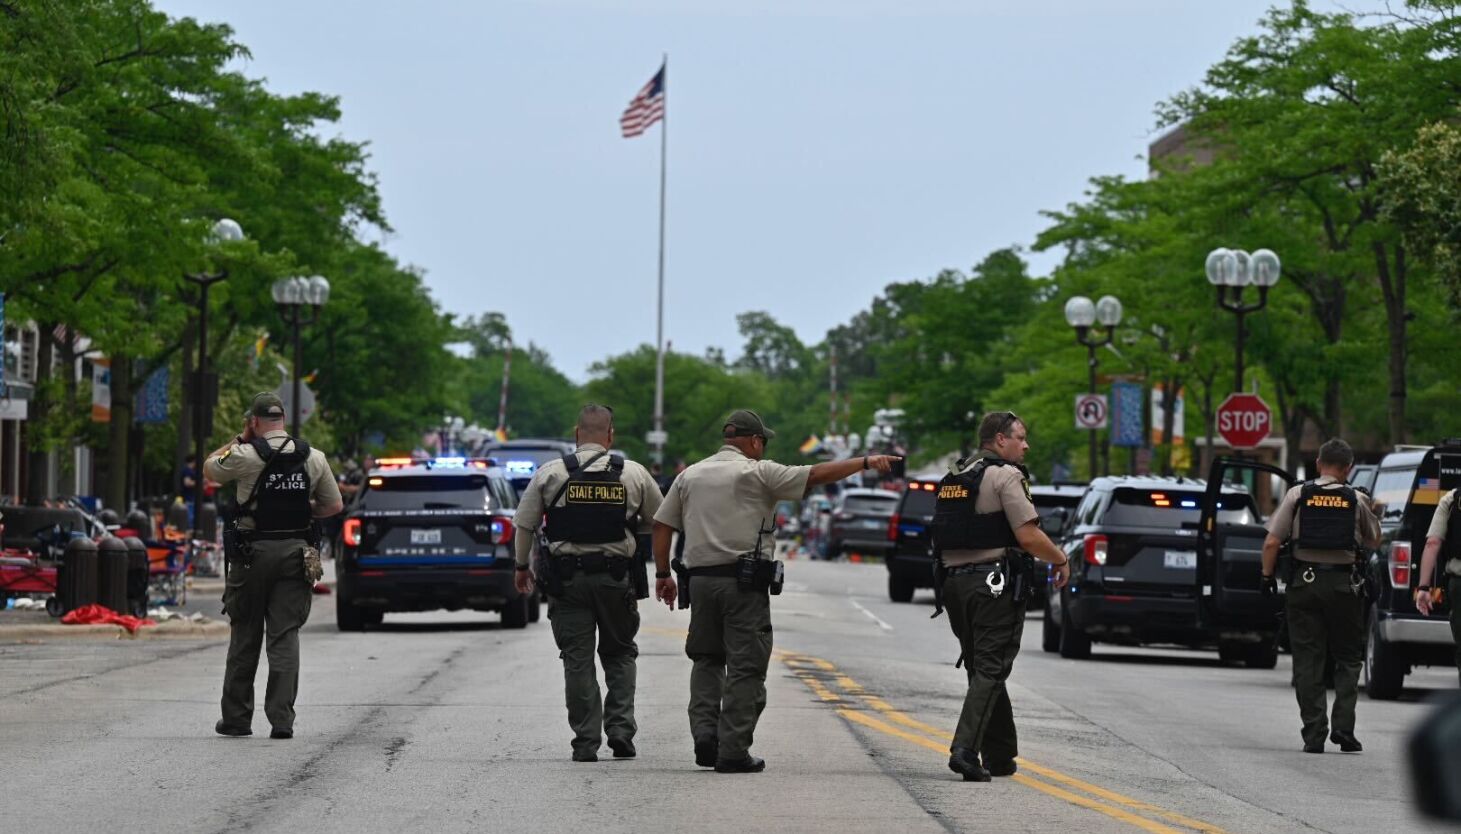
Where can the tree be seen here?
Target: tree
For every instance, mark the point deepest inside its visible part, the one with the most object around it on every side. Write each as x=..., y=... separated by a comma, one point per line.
x=1421, y=189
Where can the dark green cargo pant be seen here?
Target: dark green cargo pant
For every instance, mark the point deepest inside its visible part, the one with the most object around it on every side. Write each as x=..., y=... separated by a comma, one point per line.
x=730, y=644
x=271, y=596
x=1453, y=587
x=1325, y=617
x=989, y=628
x=595, y=605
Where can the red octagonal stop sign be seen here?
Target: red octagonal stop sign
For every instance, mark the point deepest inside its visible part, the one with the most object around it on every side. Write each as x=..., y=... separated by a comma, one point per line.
x=1244, y=420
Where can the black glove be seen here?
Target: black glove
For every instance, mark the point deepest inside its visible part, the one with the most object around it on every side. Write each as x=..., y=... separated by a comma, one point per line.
x=1268, y=586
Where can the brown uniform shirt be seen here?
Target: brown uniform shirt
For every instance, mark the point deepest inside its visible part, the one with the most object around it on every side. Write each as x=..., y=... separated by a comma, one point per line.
x=720, y=504
x=641, y=493
x=1003, y=488
x=241, y=464
x=1285, y=524
x=1441, y=521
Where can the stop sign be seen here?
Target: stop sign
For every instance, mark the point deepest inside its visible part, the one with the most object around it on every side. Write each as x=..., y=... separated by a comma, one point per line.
x=1244, y=420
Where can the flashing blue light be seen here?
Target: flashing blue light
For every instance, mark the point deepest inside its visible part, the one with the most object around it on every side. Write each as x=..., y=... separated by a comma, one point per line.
x=449, y=463
x=524, y=467
x=1189, y=503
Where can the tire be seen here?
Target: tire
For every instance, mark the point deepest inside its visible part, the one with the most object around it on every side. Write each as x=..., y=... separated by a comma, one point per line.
x=53, y=606
x=348, y=617
x=1260, y=655
x=1384, y=670
x=1074, y=643
x=900, y=586
x=1230, y=652
x=515, y=613
x=372, y=616
x=1049, y=632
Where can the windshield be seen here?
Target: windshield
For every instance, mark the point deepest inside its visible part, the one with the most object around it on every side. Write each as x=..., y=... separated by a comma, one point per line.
x=872, y=504
x=430, y=492
x=1392, y=488
x=1173, y=508
x=918, y=501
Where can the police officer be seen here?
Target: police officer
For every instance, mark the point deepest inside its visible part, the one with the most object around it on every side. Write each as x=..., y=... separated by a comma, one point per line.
x=1327, y=521
x=984, y=522
x=595, y=505
x=721, y=507
x=1443, y=543
x=283, y=485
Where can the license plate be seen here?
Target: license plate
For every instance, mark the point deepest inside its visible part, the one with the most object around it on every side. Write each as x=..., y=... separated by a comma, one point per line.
x=431, y=536
x=872, y=523
x=1180, y=559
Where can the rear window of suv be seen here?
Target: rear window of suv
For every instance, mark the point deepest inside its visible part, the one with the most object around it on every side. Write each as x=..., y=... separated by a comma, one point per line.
x=869, y=504
x=1140, y=507
x=918, y=499
x=436, y=492
x=1392, y=488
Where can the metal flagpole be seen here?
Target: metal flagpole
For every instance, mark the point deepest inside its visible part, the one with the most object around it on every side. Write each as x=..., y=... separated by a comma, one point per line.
x=502, y=400
x=659, y=363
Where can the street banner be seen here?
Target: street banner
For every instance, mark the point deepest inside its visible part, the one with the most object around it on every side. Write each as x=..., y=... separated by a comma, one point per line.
x=152, y=399
x=101, y=390
x=1090, y=411
x=1126, y=414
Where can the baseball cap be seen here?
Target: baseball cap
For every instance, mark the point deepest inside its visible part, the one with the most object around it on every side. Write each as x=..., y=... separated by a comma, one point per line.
x=746, y=423
x=267, y=405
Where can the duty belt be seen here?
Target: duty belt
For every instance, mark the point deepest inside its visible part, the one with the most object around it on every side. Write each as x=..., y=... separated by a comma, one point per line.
x=588, y=562
x=982, y=567
x=714, y=570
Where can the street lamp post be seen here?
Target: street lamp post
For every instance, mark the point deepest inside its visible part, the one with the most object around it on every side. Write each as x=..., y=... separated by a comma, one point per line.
x=1095, y=324
x=205, y=388
x=1230, y=270
x=292, y=295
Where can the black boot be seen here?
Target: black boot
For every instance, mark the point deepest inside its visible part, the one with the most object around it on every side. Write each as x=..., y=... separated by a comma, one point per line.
x=964, y=762
x=1346, y=741
x=1001, y=768
x=707, y=751
x=623, y=748
x=749, y=764
x=225, y=730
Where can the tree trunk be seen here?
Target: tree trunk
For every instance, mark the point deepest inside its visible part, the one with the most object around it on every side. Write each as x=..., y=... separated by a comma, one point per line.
x=185, y=407
x=119, y=434
x=1171, y=389
x=37, y=467
x=1392, y=285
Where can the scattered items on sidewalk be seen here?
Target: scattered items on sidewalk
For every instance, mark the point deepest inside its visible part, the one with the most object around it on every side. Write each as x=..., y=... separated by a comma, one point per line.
x=101, y=615
x=162, y=615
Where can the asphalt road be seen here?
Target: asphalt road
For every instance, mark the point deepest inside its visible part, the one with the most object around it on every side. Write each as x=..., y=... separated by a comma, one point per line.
x=445, y=722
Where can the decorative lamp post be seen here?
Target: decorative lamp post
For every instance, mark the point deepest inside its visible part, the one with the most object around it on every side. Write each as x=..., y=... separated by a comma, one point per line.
x=292, y=296
x=1230, y=270
x=1094, y=324
x=204, y=384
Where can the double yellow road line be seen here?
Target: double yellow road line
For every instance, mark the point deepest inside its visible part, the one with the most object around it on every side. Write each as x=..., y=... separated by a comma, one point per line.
x=857, y=705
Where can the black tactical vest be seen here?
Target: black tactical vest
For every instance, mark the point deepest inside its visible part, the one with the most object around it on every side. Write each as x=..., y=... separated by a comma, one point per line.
x=956, y=526
x=595, y=505
x=1451, y=545
x=280, y=501
x=1326, y=517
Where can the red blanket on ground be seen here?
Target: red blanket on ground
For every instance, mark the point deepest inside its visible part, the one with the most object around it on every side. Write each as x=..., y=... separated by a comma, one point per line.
x=101, y=615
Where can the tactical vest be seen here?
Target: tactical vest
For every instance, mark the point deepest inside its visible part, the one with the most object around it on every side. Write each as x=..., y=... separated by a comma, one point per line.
x=1326, y=517
x=595, y=505
x=956, y=525
x=1451, y=545
x=279, y=504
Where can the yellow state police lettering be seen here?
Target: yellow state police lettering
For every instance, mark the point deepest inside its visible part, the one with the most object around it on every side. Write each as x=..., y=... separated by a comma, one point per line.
x=1337, y=502
x=953, y=491
x=590, y=492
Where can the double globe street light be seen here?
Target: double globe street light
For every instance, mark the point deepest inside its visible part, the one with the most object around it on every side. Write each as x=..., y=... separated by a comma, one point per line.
x=204, y=384
x=1230, y=270
x=1095, y=324
x=293, y=295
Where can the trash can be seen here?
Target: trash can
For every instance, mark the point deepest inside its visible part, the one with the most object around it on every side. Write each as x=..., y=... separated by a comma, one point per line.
x=76, y=581
x=137, y=572
x=111, y=574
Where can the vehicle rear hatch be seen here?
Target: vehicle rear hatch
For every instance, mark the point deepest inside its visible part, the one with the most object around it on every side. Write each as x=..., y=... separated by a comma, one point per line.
x=520, y=462
x=430, y=521
x=909, y=525
x=1438, y=473
x=866, y=513
x=1229, y=576
x=1148, y=541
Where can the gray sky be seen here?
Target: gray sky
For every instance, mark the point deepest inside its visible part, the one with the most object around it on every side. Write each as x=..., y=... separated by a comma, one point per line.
x=818, y=149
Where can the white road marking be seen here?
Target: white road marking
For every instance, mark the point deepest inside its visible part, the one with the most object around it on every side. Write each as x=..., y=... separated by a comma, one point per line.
x=874, y=617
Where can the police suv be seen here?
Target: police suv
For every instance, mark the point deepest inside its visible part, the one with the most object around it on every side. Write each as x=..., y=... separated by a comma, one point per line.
x=429, y=534
x=521, y=457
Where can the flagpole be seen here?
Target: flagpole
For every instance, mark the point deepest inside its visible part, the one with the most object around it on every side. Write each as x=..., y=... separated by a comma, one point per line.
x=659, y=361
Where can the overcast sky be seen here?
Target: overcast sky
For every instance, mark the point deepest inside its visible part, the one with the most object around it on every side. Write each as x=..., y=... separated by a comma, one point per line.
x=818, y=149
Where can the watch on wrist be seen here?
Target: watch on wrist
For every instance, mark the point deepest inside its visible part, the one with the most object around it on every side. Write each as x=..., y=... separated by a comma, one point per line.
x=1426, y=588
x=661, y=574
x=864, y=463
x=521, y=567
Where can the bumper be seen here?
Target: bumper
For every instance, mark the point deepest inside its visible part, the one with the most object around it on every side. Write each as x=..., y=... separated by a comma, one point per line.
x=427, y=589
x=861, y=540
x=1134, y=619
x=1425, y=632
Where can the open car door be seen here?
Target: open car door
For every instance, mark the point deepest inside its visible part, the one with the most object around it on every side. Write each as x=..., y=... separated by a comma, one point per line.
x=1230, y=556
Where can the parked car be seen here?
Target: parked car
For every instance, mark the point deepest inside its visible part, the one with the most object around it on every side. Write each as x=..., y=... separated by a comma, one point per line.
x=1134, y=549
x=1410, y=482
x=860, y=522
x=909, y=558
x=427, y=535
x=520, y=458
x=1056, y=504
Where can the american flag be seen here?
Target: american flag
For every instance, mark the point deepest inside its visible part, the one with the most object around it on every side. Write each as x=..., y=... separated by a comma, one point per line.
x=647, y=107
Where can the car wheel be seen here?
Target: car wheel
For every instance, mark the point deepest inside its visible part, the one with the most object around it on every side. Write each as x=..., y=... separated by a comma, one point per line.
x=900, y=586
x=1260, y=655
x=1074, y=643
x=1049, y=632
x=1384, y=671
x=515, y=613
x=348, y=616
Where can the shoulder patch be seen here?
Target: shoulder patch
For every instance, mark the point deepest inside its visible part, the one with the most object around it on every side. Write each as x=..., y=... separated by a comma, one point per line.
x=1025, y=485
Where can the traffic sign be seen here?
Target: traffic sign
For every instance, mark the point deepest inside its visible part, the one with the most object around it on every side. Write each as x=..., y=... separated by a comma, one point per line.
x=1090, y=411
x=1244, y=420
x=656, y=438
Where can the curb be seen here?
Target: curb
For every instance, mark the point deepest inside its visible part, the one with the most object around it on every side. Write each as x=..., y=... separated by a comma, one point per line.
x=167, y=631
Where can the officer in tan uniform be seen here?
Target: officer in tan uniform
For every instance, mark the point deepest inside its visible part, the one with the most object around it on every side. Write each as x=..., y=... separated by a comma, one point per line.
x=595, y=505
x=1443, y=544
x=980, y=544
x=268, y=582
x=1327, y=520
x=723, y=507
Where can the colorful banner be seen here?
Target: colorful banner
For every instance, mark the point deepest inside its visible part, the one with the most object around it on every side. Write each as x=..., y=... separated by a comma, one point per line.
x=152, y=399
x=101, y=390
x=1126, y=414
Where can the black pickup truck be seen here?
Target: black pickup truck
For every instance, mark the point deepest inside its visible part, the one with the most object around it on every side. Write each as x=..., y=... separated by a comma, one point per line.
x=1140, y=575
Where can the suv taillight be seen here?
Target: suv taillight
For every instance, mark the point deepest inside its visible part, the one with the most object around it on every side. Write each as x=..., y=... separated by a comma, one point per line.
x=893, y=527
x=352, y=532
x=501, y=530
x=1400, y=565
x=1095, y=549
